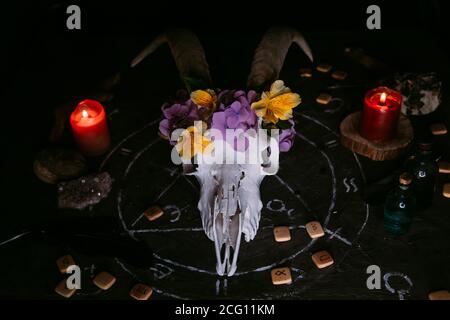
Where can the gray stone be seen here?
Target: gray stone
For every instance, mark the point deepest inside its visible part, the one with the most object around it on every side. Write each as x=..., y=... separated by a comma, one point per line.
x=421, y=92
x=55, y=164
x=84, y=192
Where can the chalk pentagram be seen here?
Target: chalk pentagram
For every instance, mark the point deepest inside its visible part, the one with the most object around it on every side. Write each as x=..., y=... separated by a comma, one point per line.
x=182, y=250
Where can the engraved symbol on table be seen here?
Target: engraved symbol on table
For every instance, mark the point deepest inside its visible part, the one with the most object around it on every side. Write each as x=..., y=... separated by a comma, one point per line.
x=174, y=212
x=331, y=144
x=401, y=292
x=277, y=205
x=349, y=183
x=161, y=271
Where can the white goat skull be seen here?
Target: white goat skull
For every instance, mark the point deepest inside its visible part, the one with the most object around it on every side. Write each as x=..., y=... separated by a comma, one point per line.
x=230, y=202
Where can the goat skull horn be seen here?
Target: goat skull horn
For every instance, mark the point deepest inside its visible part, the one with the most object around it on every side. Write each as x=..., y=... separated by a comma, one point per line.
x=271, y=52
x=187, y=52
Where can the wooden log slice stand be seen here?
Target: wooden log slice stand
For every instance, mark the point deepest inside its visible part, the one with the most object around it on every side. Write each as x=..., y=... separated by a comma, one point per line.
x=351, y=139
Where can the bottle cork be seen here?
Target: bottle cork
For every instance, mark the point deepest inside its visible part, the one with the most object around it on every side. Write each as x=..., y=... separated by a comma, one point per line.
x=405, y=179
x=425, y=146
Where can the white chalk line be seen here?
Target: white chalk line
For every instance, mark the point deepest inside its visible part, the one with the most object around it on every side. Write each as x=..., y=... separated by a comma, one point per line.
x=317, y=122
x=190, y=183
x=354, y=155
x=355, y=187
x=167, y=294
x=159, y=274
x=350, y=184
x=363, y=176
x=183, y=266
x=170, y=171
x=113, y=112
x=125, y=268
x=335, y=234
x=347, y=187
x=119, y=211
x=167, y=188
x=176, y=210
x=295, y=254
x=260, y=269
x=401, y=292
x=139, y=154
x=117, y=146
x=298, y=196
x=361, y=172
x=167, y=230
x=15, y=238
x=300, y=274
x=268, y=267
x=199, y=229
x=157, y=290
x=365, y=222
x=333, y=178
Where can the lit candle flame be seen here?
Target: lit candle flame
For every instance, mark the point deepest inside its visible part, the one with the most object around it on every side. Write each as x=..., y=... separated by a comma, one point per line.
x=84, y=114
x=383, y=98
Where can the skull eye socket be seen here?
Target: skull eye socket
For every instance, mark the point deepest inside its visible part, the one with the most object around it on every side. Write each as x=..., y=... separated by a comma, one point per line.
x=265, y=156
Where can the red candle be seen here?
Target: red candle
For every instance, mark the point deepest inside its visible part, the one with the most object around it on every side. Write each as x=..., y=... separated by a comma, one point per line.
x=89, y=128
x=381, y=113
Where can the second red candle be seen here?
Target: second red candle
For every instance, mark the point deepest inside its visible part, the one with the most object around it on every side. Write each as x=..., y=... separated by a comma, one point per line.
x=381, y=114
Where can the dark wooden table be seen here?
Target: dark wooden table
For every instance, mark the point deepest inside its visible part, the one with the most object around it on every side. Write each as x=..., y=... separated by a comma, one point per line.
x=318, y=178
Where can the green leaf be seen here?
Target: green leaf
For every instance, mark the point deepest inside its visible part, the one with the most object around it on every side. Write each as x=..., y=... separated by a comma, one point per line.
x=193, y=84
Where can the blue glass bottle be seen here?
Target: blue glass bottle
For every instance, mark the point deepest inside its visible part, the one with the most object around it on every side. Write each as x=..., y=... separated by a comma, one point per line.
x=399, y=207
x=425, y=171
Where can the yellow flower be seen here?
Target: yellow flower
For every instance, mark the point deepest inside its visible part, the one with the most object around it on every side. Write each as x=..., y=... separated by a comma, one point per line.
x=204, y=98
x=193, y=141
x=276, y=104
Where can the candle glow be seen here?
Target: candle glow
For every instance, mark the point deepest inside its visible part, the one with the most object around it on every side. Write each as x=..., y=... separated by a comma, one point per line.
x=381, y=114
x=383, y=98
x=89, y=127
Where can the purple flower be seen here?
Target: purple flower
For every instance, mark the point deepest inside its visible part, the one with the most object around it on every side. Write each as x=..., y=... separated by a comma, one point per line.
x=226, y=97
x=177, y=116
x=237, y=115
x=286, y=139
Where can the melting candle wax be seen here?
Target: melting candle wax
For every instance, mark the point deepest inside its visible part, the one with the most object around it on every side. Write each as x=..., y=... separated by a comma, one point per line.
x=89, y=128
x=381, y=114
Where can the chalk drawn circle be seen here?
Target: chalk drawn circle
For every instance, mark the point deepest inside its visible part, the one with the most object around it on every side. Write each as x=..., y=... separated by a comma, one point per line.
x=189, y=268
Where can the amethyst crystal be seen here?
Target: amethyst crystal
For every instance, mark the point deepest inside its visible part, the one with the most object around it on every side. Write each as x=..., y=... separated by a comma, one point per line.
x=83, y=192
